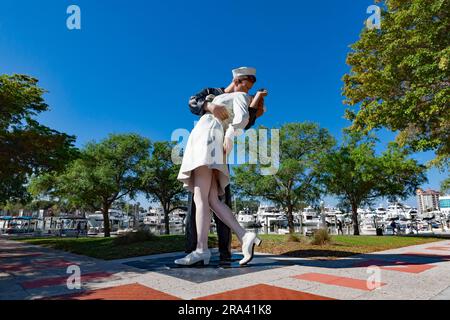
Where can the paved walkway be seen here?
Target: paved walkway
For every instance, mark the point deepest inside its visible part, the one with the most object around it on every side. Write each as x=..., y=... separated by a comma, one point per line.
x=417, y=272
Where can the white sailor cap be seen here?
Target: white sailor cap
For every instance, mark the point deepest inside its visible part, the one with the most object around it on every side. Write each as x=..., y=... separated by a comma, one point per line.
x=244, y=71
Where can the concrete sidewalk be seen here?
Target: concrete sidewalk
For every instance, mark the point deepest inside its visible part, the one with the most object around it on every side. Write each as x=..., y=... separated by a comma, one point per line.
x=417, y=272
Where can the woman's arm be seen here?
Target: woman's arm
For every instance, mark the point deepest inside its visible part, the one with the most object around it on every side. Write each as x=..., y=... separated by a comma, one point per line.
x=256, y=108
x=258, y=99
x=240, y=120
x=258, y=102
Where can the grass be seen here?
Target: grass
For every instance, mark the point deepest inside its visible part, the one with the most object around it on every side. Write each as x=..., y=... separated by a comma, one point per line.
x=321, y=237
x=108, y=249
x=338, y=247
x=288, y=245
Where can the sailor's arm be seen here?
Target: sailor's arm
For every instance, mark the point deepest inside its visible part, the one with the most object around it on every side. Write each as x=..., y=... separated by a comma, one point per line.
x=200, y=104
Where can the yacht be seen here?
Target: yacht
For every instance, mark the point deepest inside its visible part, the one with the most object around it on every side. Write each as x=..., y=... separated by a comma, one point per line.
x=310, y=217
x=370, y=222
x=246, y=219
x=395, y=211
x=297, y=216
x=117, y=221
x=332, y=215
x=380, y=211
x=177, y=218
x=282, y=221
x=67, y=225
x=364, y=212
x=367, y=227
x=155, y=217
x=412, y=214
x=268, y=216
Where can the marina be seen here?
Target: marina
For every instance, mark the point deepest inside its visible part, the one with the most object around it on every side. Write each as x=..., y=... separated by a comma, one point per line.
x=395, y=218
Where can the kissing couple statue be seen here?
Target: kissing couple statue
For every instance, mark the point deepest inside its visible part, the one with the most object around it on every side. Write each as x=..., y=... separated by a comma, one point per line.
x=204, y=170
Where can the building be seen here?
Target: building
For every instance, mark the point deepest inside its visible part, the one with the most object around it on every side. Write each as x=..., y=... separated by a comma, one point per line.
x=427, y=200
x=444, y=204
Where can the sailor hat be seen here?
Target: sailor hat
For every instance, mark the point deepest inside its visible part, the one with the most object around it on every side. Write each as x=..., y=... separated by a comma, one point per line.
x=243, y=72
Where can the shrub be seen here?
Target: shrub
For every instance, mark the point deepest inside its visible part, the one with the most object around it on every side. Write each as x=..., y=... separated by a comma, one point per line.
x=141, y=235
x=321, y=237
x=294, y=238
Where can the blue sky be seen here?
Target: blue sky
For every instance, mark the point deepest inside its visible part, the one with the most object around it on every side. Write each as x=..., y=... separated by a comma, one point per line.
x=134, y=64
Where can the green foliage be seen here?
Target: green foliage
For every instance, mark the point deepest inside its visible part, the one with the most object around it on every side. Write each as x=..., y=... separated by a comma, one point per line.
x=27, y=147
x=321, y=237
x=445, y=186
x=158, y=178
x=105, y=172
x=297, y=181
x=357, y=175
x=399, y=77
x=242, y=204
x=294, y=238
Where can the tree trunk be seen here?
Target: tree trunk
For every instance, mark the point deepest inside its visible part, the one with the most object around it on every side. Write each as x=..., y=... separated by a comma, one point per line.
x=106, y=226
x=355, y=219
x=166, y=219
x=291, y=219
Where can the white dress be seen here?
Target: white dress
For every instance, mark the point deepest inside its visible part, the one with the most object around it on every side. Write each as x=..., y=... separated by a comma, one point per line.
x=205, y=143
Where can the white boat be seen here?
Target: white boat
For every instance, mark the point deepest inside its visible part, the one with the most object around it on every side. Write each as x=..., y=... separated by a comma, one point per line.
x=117, y=221
x=281, y=221
x=155, y=217
x=153, y=220
x=370, y=222
x=310, y=217
x=70, y=226
x=268, y=216
x=177, y=217
x=17, y=224
x=246, y=219
x=396, y=211
x=368, y=228
x=380, y=211
x=297, y=216
x=412, y=213
x=332, y=215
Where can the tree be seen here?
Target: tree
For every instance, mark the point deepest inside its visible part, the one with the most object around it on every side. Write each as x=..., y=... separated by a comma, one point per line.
x=297, y=180
x=357, y=175
x=121, y=205
x=242, y=204
x=105, y=172
x=27, y=147
x=46, y=195
x=445, y=186
x=399, y=77
x=12, y=208
x=159, y=180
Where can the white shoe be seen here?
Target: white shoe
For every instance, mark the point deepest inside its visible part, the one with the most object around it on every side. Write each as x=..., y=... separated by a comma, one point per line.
x=195, y=257
x=249, y=240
